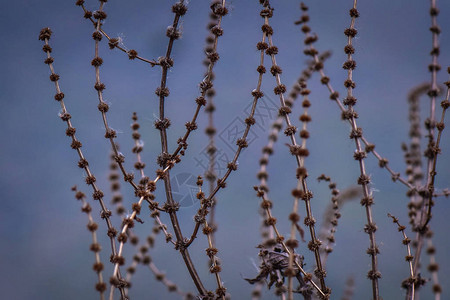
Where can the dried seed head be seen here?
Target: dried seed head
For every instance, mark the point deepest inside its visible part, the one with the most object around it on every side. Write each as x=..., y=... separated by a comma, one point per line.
x=132, y=54
x=45, y=34
x=179, y=8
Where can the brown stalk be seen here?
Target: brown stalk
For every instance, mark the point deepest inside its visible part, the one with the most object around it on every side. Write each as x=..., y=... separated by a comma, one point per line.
x=114, y=42
x=430, y=123
x=292, y=243
x=241, y=142
x=83, y=163
x=433, y=267
x=413, y=153
x=325, y=80
x=277, y=125
x=109, y=134
x=294, y=217
x=163, y=91
x=178, y=9
x=92, y=227
x=436, y=151
x=218, y=8
x=211, y=251
x=298, y=88
x=299, y=153
x=139, y=165
x=350, y=115
x=432, y=149
x=142, y=255
x=445, y=104
x=349, y=288
x=409, y=258
x=330, y=219
x=210, y=174
x=364, y=179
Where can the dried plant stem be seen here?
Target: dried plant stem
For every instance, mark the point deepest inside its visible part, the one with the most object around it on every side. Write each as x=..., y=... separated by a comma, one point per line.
x=98, y=195
x=267, y=241
x=384, y=163
x=128, y=223
x=409, y=258
x=160, y=276
x=139, y=165
x=434, y=67
x=349, y=288
x=433, y=267
x=356, y=134
x=142, y=256
x=178, y=9
x=95, y=247
x=299, y=153
x=218, y=9
x=430, y=153
x=301, y=185
x=256, y=293
x=430, y=123
x=263, y=175
x=360, y=154
x=413, y=153
x=331, y=217
x=426, y=216
x=117, y=201
x=114, y=178
x=76, y=144
x=436, y=151
x=159, y=226
x=114, y=42
x=162, y=92
x=110, y=134
x=325, y=80
x=277, y=125
x=215, y=265
x=241, y=142
x=445, y=104
x=267, y=151
x=210, y=173
x=293, y=243
x=103, y=107
x=445, y=193
x=138, y=146
x=131, y=269
x=267, y=232
x=211, y=251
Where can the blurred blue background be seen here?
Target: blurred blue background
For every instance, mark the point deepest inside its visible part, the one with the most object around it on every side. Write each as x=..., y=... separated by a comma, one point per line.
x=44, y=252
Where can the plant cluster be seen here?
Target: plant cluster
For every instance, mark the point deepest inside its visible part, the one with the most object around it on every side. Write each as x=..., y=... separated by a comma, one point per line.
x=281, y=262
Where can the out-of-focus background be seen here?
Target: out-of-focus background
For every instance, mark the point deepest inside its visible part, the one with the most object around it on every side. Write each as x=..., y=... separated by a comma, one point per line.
x=44, y=250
